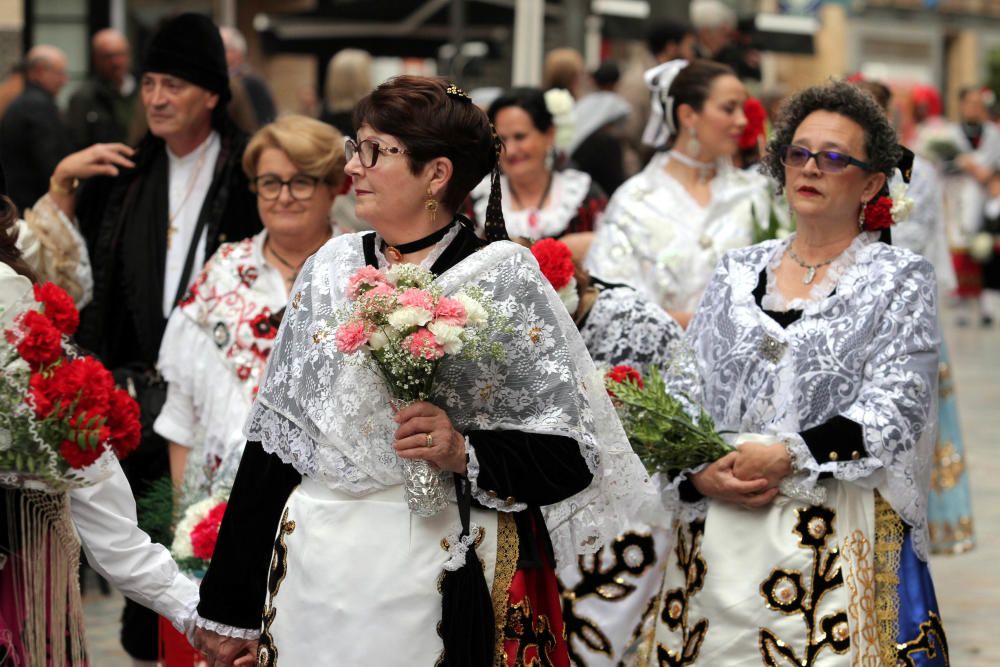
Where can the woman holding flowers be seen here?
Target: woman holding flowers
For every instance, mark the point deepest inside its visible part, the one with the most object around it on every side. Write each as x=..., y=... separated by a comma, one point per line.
x=539, y=200
x=226, y=325
x=62, y=425
x=666, y=228
x=427, y=395
x=808, y=544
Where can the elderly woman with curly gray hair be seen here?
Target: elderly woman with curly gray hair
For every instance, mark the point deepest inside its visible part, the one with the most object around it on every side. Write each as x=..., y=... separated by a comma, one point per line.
x=808, y=543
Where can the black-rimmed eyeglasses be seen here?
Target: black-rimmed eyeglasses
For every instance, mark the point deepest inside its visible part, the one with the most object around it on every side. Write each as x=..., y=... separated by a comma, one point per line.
x=368, y=151
x=832, y=162
x=300, y=186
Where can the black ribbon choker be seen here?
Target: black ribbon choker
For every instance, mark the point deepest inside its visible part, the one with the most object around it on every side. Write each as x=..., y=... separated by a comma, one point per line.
x=419, y=244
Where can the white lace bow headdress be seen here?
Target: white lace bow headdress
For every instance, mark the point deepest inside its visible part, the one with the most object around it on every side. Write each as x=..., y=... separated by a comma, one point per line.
x=660, y=126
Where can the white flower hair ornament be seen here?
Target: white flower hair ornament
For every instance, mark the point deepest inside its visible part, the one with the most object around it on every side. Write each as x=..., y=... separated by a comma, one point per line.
x=902, y=205
x=559, y=103
x=660, y=126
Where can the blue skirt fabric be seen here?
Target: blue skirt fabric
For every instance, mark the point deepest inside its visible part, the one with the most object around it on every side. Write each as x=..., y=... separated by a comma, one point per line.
x=921, y=641
x=949, y=507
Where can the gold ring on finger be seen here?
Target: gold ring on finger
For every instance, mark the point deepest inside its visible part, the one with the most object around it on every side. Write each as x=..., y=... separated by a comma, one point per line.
x=430, y=440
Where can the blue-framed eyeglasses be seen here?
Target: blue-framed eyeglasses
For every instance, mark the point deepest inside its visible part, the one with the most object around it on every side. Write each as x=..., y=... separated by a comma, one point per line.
x=832, y=162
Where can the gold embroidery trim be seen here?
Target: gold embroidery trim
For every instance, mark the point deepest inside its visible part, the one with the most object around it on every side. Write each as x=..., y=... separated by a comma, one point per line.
x=508, y=548
x=888, y=544
x=860, y=580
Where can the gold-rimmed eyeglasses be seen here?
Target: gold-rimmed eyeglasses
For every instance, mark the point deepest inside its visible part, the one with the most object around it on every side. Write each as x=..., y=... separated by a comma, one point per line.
x=368, y=151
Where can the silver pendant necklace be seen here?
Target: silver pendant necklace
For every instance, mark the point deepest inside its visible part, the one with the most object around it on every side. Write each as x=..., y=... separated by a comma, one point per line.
x=810, y=268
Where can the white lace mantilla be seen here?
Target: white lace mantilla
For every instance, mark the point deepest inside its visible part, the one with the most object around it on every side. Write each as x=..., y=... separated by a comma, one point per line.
x=655, y=237
x=867, y=352
x=329, y=416
x=625, y=328
x=569, y=190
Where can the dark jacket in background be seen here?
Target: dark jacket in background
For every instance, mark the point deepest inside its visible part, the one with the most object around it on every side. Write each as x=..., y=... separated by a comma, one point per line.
x=33, y=139
x=99, y=113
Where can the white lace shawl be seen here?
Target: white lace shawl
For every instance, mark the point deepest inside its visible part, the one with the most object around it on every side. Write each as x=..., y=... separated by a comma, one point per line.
x=329, y=416
x=625, y=328
x=867, y=352
x=655, y=237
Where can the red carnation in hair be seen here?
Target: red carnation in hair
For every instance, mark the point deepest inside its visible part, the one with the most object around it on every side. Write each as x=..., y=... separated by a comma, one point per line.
x=756, y=117
x=878, y=214
x=555, y=260
x=59, y=307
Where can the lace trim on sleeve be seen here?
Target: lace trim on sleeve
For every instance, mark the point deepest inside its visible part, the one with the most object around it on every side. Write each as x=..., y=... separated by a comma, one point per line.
x=225, y=630
x=483, y=497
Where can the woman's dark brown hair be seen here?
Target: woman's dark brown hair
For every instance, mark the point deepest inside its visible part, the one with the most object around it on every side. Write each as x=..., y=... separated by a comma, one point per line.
x=430, y=122
x=9, y=252
x=693, y=85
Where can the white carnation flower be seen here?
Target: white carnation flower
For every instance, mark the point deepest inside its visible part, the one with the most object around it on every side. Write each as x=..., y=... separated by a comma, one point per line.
x=475, y=313
x=409, y=316
x=901, y=204
x=378, y=340
x=558, y=101
x=448, y=335
x=569, y=296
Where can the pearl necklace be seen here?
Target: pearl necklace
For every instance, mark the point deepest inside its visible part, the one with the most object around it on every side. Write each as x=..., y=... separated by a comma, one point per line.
x=704, y=168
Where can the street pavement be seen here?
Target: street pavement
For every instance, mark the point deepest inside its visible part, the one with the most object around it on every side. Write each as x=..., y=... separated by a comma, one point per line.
x=968, y=585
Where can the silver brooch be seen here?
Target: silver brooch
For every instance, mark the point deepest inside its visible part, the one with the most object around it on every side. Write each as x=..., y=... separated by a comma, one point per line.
x=771, y=348
x=220, y=334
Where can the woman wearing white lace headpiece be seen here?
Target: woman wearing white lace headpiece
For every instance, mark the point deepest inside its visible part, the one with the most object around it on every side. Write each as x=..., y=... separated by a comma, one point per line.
x=808, y=544
x=318, y=553
x=666, y=228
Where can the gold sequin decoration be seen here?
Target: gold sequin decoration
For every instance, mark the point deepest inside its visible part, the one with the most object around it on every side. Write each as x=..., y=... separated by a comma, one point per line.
x=267, y=654
x=508, y=548
x=948, y=468
x=687, y=550
x=888, y=545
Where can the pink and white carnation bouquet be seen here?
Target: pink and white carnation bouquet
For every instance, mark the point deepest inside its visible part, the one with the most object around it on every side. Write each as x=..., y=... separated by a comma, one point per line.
x=400, y=322
x=403, y=324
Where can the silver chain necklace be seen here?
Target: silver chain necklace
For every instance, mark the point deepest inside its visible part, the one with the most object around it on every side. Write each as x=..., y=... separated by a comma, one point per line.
x=810, y=268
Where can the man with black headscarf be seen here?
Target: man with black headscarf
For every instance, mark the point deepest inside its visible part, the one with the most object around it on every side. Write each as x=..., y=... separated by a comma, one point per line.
x=151, y=227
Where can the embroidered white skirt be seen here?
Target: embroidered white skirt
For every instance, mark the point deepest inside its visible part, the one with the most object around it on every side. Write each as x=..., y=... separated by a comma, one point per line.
x=353, y=580
x=789, y=584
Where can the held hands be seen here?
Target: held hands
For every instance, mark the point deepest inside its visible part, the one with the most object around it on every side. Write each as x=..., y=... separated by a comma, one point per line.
x=425, y=432
x=222, y=651
x=748, y=477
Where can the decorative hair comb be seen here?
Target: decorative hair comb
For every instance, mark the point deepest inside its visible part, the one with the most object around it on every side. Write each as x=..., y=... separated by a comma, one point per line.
x=457, y=93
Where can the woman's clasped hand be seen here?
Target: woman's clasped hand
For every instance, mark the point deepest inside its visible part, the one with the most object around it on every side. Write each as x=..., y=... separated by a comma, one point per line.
x=425, y=432
x=748, y=476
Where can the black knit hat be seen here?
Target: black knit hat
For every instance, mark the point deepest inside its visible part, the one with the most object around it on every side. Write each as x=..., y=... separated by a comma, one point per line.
x=190, y=48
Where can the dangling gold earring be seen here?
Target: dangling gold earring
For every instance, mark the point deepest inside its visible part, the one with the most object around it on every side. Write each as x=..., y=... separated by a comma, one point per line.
x=861, y=216
x=431, y=204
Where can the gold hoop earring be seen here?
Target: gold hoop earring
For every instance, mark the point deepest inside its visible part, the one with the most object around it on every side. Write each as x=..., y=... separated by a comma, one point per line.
x=431, y=204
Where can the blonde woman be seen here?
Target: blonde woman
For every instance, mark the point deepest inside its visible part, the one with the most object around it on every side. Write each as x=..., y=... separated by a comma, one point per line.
x=225, y=326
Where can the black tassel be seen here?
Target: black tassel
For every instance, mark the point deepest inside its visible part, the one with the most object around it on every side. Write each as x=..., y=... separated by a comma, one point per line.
x=905, y=164
x=467, y=620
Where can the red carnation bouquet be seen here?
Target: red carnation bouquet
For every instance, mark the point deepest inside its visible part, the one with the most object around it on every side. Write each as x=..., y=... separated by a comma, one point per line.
x=197, y=532
x=664, y=436
x=555, y=260
x=60, y=414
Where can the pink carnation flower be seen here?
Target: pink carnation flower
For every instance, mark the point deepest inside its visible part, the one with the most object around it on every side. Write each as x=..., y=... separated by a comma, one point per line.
x=423, y=345
x=364, y=279
x=450, y=311
x=351, y=336
x=417, y=298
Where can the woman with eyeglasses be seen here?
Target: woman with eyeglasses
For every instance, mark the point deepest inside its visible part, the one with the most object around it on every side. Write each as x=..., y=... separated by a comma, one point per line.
x=218, y=339
x=319, y=555
x=666, y=228
x=808, y=544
